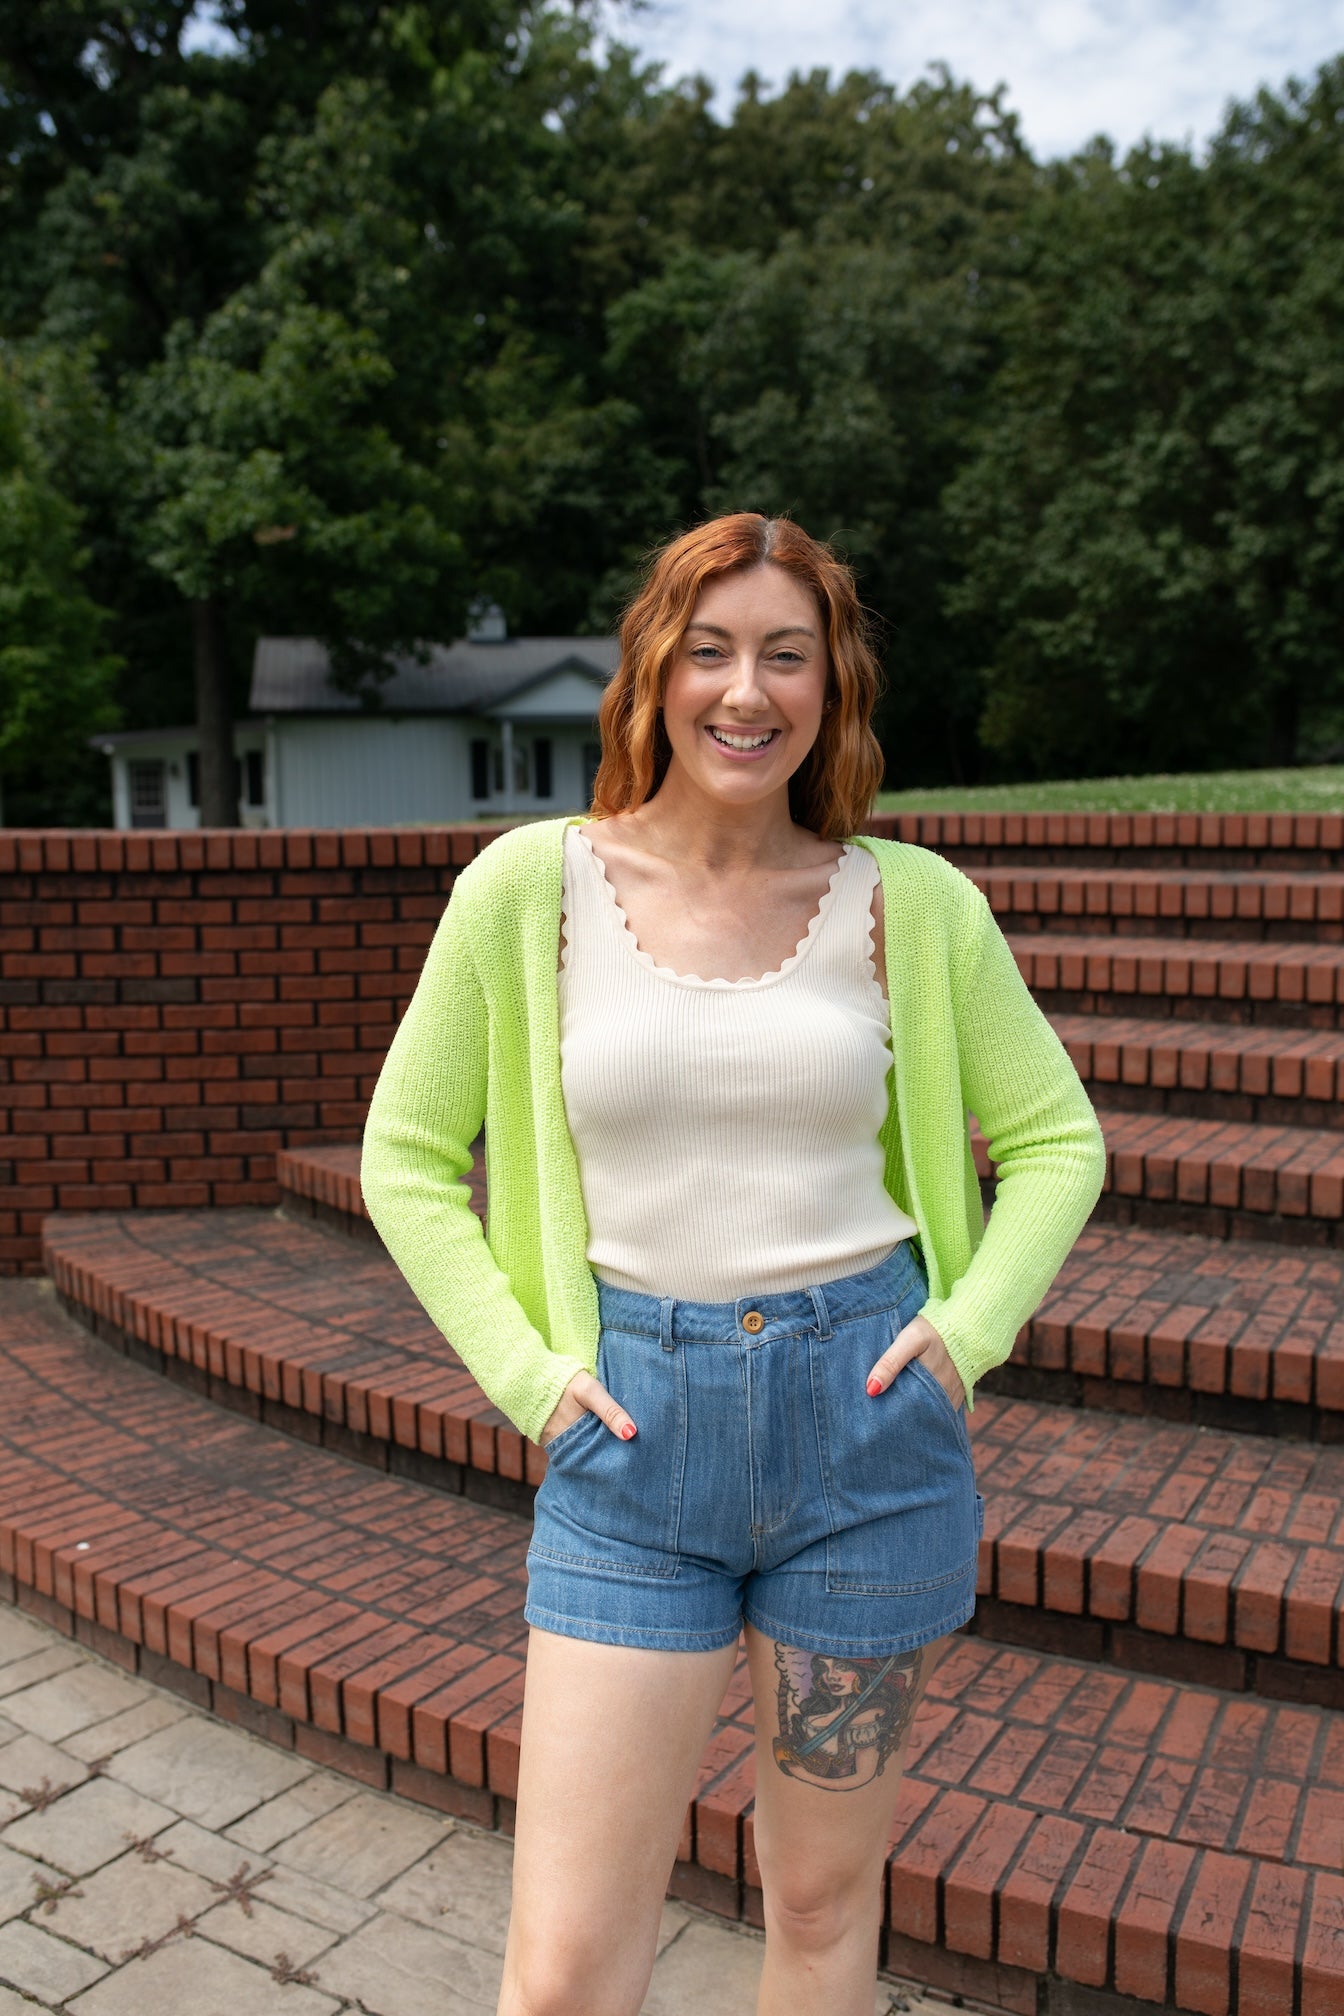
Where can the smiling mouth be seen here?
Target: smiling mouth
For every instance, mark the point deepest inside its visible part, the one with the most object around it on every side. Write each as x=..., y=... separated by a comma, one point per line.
x=729, y=740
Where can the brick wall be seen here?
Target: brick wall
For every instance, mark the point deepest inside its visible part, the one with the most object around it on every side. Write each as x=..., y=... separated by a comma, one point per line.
x=176, y=1007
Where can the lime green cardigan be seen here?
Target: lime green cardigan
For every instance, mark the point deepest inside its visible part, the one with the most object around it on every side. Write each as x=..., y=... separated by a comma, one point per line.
x=481, y=1042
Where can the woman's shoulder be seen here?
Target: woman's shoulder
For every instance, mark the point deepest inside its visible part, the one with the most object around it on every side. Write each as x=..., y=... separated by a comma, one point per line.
x=906, y=867
x=513, y=862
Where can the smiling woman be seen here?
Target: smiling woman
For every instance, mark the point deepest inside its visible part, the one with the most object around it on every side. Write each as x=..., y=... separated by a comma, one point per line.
x=736, y=1279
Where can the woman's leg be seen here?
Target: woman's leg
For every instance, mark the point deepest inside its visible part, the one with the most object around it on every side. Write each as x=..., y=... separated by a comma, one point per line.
x=826, y=1790
x=612, y=1737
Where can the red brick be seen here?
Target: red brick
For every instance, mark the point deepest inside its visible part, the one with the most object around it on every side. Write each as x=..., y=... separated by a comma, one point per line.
x=1205, y=1934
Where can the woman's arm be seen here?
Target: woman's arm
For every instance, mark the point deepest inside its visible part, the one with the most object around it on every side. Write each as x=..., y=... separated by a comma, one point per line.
x=1042, y=1136
x=427, y=1110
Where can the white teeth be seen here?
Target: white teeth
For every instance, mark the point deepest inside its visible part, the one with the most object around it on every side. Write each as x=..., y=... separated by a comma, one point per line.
x=741, y=741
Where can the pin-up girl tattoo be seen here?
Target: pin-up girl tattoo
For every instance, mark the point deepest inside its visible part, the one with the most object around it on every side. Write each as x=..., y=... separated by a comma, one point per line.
x=841, y=1719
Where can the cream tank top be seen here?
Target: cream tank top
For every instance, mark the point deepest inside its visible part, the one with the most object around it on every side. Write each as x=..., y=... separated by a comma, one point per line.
x=726, y=1130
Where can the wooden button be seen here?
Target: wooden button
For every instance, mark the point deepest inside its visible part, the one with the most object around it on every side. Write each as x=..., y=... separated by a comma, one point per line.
x=753, y=1321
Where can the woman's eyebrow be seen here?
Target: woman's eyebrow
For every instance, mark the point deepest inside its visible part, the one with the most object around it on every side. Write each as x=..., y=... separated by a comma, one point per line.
x=789, y=630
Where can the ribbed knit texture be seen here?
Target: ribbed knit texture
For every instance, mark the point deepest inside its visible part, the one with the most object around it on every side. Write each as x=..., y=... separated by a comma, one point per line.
x=481, y=1042
x=726, y=1130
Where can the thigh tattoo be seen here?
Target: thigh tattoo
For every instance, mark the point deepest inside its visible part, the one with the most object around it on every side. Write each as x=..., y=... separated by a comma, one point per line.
x=841, y=1719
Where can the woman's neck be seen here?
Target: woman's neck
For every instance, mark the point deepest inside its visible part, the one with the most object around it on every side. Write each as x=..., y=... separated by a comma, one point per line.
x=683, y=824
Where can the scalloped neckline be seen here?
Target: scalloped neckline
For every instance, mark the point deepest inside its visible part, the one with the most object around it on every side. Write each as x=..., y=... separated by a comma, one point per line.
x=647, y=960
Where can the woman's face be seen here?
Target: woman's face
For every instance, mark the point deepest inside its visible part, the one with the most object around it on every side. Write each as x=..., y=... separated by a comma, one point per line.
x=838, y=1679
x=747, y=685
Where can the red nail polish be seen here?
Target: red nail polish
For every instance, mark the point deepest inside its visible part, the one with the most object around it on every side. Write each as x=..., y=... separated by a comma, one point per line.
x=874, y=1387
x=627, y=1431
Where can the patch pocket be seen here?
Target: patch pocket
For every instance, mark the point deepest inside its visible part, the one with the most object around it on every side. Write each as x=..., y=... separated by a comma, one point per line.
x=610, y=1506
x=900, y=1485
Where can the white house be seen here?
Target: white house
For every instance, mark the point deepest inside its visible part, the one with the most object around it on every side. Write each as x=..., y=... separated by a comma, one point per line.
x=488, y=726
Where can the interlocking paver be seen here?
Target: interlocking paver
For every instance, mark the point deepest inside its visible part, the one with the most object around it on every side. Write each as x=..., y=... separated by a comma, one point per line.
x=88, y=1826
x=206, y=1773
x=40, y=1965
x=362, y=1845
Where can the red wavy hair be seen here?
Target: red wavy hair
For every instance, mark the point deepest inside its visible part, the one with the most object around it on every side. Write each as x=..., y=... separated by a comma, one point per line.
x=833, y=788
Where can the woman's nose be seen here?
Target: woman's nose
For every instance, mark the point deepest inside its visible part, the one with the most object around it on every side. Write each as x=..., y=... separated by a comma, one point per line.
x=744, y=686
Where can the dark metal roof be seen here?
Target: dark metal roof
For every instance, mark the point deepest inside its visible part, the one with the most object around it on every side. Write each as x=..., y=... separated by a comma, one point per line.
x=291, y=675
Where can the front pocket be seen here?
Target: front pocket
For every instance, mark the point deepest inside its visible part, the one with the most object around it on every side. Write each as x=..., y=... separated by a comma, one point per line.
x=610, y=1506
x=899, y=1481
x=558, y=1442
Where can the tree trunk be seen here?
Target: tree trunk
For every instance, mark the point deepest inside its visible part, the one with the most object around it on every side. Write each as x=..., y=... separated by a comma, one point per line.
x=214, y=716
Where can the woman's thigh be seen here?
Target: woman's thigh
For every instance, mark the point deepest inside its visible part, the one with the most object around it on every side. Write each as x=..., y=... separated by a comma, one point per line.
x=831, y=1742
x=611, y=1741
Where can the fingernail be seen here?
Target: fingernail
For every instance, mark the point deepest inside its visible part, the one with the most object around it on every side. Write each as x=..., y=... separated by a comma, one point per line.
x=627, y=1431
x=874, y=1387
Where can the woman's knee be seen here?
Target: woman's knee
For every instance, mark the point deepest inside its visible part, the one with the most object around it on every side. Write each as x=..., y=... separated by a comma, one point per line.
x=816, y=1910
x=573, y=1980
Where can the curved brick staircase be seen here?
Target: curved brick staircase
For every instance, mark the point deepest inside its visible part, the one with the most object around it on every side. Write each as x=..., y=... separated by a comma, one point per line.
x=1127, y=1784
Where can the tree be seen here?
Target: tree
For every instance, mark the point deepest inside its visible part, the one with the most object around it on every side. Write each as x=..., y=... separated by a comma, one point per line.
x=56, y=682
x=277, y=256
x=1149, y=522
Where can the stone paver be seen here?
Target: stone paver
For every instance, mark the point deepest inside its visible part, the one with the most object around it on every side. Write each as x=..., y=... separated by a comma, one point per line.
x=41, y=1965
x=363, y=1844
x=209, y=1773
x=205, y=1980
x=126, y=1902
x=87, y=1827
x=69, y=1701
x=104, y=1739
x=154, y=1862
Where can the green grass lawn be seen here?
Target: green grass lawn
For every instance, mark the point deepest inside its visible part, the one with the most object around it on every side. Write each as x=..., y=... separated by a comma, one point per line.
x=1317, y=789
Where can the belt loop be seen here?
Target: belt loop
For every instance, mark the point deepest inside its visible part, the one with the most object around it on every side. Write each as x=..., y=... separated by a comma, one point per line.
x=821, y=1312
x=665, y=1308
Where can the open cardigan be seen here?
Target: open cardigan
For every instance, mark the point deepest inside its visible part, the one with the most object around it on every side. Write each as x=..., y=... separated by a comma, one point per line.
x=480, y=1042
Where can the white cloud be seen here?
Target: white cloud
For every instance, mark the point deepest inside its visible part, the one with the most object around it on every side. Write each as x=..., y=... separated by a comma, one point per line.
x=1073, y=68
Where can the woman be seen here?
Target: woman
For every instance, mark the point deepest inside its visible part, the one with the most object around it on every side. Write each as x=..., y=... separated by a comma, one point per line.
x=737, y=1279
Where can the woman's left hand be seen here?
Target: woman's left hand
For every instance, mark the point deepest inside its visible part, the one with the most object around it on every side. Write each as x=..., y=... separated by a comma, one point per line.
x=919, y=1339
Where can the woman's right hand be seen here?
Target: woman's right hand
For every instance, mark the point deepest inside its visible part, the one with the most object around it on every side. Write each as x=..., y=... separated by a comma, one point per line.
x=586, y=1395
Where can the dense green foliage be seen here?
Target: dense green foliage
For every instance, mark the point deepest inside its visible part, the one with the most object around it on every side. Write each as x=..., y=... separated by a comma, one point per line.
x=380, y=305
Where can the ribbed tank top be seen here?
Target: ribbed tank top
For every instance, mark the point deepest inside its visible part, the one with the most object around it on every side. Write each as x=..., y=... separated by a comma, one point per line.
x=726, y=1130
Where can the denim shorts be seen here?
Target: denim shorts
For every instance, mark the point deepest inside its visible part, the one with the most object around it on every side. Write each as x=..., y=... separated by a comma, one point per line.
x=764, y=1482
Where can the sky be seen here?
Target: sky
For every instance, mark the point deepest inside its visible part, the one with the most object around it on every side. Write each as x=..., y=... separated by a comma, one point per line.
x=1074, y=68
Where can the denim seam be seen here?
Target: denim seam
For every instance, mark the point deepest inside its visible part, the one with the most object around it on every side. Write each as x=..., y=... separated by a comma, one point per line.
x=601, y=1565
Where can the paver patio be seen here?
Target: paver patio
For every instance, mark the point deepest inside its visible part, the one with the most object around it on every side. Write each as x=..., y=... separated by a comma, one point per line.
x=152, y=1861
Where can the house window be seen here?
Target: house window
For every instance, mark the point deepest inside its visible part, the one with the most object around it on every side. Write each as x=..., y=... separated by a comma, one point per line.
x=193, y=778
x=480, y=769
x=149, y=803
x=592, y=756
x=497, y=767
x=541, y=767
x=255, y=764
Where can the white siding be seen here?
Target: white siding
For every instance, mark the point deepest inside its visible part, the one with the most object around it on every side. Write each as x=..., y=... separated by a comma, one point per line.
x=370, y=772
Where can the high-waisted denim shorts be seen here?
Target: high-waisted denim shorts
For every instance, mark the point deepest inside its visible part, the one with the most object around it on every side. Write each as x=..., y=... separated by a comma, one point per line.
x=764, y=1482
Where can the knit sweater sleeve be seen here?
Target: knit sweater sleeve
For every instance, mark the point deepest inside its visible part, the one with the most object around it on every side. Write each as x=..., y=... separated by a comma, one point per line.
x=1043, y=1138
x=427, y=1109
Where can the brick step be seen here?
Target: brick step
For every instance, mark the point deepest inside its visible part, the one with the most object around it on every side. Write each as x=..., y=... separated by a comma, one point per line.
x=1218, y=840
x=1168, y=1547
x=323, y=1183
x=1059, y=1826
x=1248, y=1336
x=1296, y=985
x=1224, y=1179
x=1221, y=1070
x=320, y=1337
x=1197, y=903
x=314, y=1334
